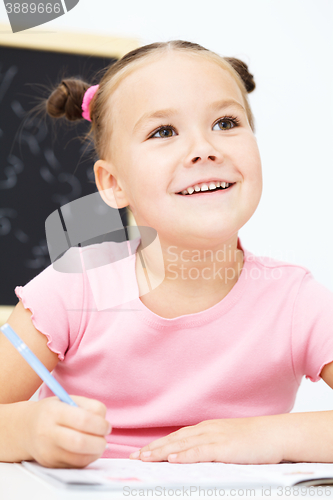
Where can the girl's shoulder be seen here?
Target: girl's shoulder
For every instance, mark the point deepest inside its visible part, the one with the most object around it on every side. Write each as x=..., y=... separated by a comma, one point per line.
x=96, y=276
x=55, y=281
x=56, y=302
x=279, y=275
x=273, y=262
x=271, y=266
x=65, y=296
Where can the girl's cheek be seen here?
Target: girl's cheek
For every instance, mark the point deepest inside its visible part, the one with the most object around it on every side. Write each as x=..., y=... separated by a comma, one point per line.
x=249, y=157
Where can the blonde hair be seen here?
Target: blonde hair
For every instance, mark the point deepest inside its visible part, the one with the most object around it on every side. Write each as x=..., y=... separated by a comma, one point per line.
x=66, y=99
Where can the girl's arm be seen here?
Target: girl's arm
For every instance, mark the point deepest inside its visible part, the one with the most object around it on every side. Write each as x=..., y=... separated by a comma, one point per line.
x=327, y=374
x=295, y=437
x=49, y=431
x=18, y=381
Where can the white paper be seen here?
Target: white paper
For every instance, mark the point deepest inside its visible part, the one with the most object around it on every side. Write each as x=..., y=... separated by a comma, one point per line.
x=117, y=473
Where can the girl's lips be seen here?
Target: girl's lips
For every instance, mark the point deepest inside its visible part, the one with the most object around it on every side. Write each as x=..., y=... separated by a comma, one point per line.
x=205, y=194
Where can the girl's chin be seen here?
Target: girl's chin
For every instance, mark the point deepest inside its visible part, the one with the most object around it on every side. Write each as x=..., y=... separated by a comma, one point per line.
x=202, y=237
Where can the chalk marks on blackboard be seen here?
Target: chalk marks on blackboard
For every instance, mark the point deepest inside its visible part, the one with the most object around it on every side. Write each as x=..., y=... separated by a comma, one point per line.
x=56, y=177
x=17, y=108
x=11, y=172
x=21, y=236
x=10, y=178
x=33, y=132
x=74, y=185
x=47, y=175
x=6, y=225
x=6, y=214
x=45, y=172
x=51, y=159
x=6, y=79
x=40, y=255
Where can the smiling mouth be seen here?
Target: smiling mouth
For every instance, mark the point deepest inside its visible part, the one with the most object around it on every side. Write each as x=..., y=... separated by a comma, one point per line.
x=207, y=190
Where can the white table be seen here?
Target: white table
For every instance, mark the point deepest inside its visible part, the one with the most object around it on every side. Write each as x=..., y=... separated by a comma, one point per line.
x=17, y=483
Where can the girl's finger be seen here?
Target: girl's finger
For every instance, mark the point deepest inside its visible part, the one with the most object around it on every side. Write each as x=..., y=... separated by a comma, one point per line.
x=66, y=459
x=162, y=453
x=92, y=405
x=200, y=453
x=83, y=420
x=174, y=437
x=74, y=441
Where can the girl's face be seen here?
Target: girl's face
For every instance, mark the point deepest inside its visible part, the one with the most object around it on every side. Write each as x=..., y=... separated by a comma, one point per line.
x=179, y=121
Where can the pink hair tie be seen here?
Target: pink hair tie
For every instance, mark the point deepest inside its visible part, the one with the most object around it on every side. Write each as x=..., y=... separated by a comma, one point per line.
x=89, y=94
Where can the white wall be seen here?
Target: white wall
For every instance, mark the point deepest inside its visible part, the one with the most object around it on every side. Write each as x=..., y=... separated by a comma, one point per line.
x=288, y=45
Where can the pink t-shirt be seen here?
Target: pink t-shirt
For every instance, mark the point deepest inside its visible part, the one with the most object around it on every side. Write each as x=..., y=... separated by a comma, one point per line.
x=243, y=357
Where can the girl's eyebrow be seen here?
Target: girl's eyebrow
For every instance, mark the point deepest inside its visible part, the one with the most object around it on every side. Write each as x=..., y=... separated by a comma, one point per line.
x=166, y=113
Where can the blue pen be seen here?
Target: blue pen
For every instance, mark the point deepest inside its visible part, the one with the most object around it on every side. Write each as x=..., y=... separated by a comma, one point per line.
x=36, y=365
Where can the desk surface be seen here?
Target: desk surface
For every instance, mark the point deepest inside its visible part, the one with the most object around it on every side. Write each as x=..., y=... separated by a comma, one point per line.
x=17, y=483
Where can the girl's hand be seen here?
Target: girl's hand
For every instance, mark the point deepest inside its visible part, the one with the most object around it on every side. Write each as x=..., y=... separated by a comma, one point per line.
x=254, y=440
x=59, y=435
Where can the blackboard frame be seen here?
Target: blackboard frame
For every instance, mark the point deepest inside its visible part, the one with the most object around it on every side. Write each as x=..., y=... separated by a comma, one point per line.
x=68, y=42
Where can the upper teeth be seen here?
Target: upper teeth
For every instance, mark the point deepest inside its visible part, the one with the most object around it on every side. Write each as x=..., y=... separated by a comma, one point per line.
x=204, y=187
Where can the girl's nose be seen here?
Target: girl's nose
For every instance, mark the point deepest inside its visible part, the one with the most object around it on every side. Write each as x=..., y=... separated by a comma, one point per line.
x=202, y=150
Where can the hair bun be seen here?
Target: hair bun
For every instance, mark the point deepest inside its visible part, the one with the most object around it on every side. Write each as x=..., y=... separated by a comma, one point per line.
x=243, y=72
x=66, y=99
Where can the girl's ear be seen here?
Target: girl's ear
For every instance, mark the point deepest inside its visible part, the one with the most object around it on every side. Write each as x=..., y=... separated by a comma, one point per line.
x=108, y=186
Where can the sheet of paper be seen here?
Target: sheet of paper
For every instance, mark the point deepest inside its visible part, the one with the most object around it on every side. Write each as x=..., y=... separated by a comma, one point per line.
x=117, y=473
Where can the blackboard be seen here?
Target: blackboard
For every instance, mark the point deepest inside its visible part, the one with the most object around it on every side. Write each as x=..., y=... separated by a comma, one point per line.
x=43, y=165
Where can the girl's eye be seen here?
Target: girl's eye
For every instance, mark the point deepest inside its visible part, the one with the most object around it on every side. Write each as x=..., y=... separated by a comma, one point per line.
x=226, y=123
x=165, y=131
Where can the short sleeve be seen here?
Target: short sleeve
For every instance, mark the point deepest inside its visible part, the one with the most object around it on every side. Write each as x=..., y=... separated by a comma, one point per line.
x=312, y=328
x=56, y=302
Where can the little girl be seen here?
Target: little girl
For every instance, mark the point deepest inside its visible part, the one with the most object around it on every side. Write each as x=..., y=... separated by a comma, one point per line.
x=204, y=366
